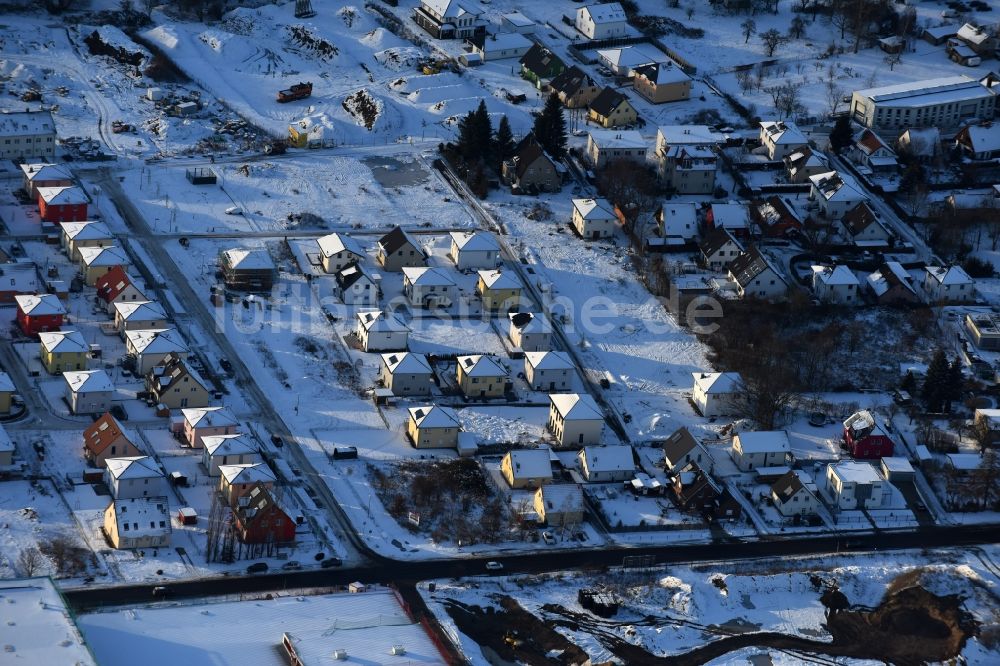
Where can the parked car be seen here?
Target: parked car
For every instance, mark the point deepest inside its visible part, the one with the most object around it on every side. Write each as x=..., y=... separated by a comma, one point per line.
x=291, y=565
x=493, y=565
x=331, y=562
x=548, y=538
x=234, y=210
x=257, y=567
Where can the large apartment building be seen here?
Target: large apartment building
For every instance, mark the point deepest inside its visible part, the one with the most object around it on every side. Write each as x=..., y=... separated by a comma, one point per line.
x=945, y=103
x=27, y=134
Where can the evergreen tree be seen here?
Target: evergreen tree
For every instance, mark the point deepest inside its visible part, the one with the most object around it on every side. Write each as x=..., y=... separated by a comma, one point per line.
x=466, y=134
x=550, y=128
x=935, y=389
x=503, y=143
x=909, y=383
x=841, y=136
x=483, y=131
x=954, y=384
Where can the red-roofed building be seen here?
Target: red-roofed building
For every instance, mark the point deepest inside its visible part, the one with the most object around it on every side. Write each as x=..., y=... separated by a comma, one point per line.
x=262, y=520
x=37, y=314
x=62, y=204
x=865, y=438
x=117, y=286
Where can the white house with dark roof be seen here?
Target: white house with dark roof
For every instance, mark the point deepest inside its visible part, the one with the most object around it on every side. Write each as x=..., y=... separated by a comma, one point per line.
x=757, y=277
x=227, y=450
x=88, y=391
x=357, y=287
x=805, y=162
x=681, y=449
x=833, y=194
x=551, y=371
x=397, y=250
x=474, y=250
x=433, y=427
x=575, y=419
x=378, y=330
x=713, y=392
x=836, y=285
x=594, y=218
x=781, y=138
x=892, y=283
x=526, y=468
x=603, y=21
x=429, y=288
x=606, y=464
x=529, y=331
x=948, y=284
x=151, y=346
x=720, y=248
x=134, y=476
x=406, y=373
x=794, y=494
x=764, y=448
x=864, y=228
x=338, y=251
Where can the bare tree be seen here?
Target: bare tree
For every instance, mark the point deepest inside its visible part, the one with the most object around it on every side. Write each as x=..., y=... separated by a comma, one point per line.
x=749, y=28
x=797, y=27
x=744, y=79
x=985, y=480
x=764, y=393
x=772, y=39
x=30, y=561
x=892, y=59
x=832, y=90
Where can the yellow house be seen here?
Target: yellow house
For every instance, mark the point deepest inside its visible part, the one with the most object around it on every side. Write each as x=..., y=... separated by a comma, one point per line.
x=481, y=376
x=304, y=134
x=498, y=290
x=63, y=351
x=140, y=522
x=6, y=392
x=559, y=505
x=526, y=468
x=96, y=261
x=433, y=427
x=612, y=109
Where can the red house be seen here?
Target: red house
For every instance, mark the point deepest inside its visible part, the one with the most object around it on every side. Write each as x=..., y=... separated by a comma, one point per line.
x=37, y=314
x=865, y=438
x=774, y=216
x=62, y=204
x=262, y=520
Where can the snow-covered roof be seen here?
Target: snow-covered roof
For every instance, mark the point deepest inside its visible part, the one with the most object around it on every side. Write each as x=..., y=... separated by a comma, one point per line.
x=983, y=138
x=247, y=473
x=949, y=275
x=133, y=467
x=689, y=135
x=378, y=321
x=717, y=383
x=594, y=209
x=21, y=277
x=548, y=360
x=45, y=172
x=40, y=627
x=22, y=123
x=834, y=276
x=764, y=441
x=209, y=417
x=517, y=19
x=63, y=342
x=629, y=57
x=89, y=230
x=530, y=464
x=63, y=195
x=609, y=12
x=607, y=139
x=530, y=322
x=449, y=9
x=248, y=260
x=608, y=458
x=474, y=241
x=155, y=341
x=783, y=132
x=566, y=497
x=103, y=256
x=140, y=310
x=948, y=89
x=142, y=517
x=88, y=381
x=964, y=461
x=352, y=274
x=6, y=445
x=434, y=416
x=331, y=244
x=852, y=471
x=503, y=41
x=497, y=279
x=427, y=277
x=832, y=187
x=407, y=363
x=482, y=365
x=662, y=73
x=730, y=216
x=227, y=445
x=576, y=407
x=36, y=305
x=974, y=34
x=897, y=465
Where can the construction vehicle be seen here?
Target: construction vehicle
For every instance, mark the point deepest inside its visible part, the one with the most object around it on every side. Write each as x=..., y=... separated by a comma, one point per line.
x=298, y=91
x=118, y=127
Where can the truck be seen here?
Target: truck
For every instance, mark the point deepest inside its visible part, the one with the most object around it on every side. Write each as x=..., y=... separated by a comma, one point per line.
x=297, y=91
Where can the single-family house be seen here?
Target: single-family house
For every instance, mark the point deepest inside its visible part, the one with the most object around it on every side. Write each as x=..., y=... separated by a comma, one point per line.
x=622, y=61
x=433, y=427
x=836, y=285
x=766, y=448
x=530, y=169
x=337, y=251
x=129, y=477
x=688, y=169
x=922, y=144
x=756, y=276
x=174, y=385
x=139, y=315
x=37, y=313
x=719, y=248
x=517, y=22
x=607, y=146
x=19, y=279
x=871, y=151
x=429, y=288
x=44, y=174
x=500, y=46
x=781, y=138
x=227, y=450
x=865, y=438
x=236, y=481
x=550, y=371
x=88, y=391
x=398, y=250
x=735, y=217
x=794, y=494
x=677, y=221
x=201, y=422
x=138, y=522
x=261, y=519
x=405, y=373
x=248, y=270
x=575, y=419
x=117, y=286
x=106, y=438
x=611, y=108
x=833, y=194
x=482, y=376
x=540, y=66
x=803, y=163
x=67, y=203
x=775, y=216
x=500, y=291
x=603, y=21
x=529, y=332
x=474, y=250
x=864, y=228
x=526, y=468
x=378, y=330
x=356, y=286
x=150, y=347
x=695, y=491
x=594, y=218
x=681, y=449
x=606, y=464
x=84, y=234
x=988, y=422
x=575, y=88
x=714, y=393
x=981, y=39
x=948, y=284
x=662, y=82
x=450, y=19
x=63, y=351
x=958, y=51
x=855, y=485
x=559, y=505
x=980, y=141
x=98, y=261
x=892, y=284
